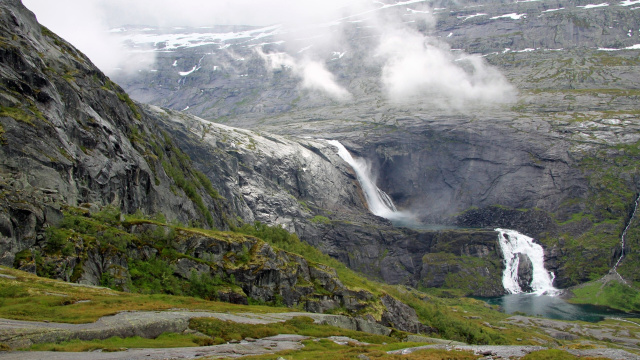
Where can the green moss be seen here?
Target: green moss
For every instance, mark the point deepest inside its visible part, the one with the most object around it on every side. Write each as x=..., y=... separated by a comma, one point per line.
x=18, y=114
x=127, y=100
x=178, y=167
x=3, y=141
x=318, y=219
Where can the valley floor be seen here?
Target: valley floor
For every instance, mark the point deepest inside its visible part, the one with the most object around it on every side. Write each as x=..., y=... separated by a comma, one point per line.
x=21, y=334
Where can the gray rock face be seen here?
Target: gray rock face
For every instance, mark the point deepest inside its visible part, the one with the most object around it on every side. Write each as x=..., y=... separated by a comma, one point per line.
x=554, y=151
x=525, y=273
x=70, y=136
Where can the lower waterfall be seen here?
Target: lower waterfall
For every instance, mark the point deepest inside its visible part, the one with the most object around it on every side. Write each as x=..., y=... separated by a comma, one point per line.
x=514, y=245
x=378, y=201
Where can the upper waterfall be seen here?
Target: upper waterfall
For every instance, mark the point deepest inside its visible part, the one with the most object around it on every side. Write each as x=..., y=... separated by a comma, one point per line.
x=513, y=243
x=378, y=201
x=624, y=234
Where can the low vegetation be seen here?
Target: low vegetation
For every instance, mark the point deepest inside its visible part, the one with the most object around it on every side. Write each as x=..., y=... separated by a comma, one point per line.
x=152, y=279
x=224, y=331
x=167, y=340
x=612, y=294
x=24, y=296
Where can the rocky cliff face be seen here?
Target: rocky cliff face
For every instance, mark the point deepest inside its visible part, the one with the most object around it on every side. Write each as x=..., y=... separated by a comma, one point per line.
x=70, y=136
x=73, y=143
x=558, y=163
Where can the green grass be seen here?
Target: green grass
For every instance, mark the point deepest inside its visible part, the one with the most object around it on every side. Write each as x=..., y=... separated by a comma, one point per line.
x=228, y=330
x=319, y=219
x=158, y=287
x=166, y=340
x=555, y=354
x=29, y=297
x=613, y=294
x=18, y=114
x=325, y=349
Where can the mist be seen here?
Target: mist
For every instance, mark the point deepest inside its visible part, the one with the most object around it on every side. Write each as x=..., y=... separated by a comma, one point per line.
x=419, y=68
x=314, y=74
x=414, y=65
x=84, y=24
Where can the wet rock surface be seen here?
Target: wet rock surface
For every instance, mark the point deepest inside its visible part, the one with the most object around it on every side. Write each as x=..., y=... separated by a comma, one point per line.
x=471, y=167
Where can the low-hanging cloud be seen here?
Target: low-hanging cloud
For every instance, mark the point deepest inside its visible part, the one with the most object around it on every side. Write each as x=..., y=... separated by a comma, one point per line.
x=89, y=32
x=314, y=74
x=415, y=67
x=419, y=68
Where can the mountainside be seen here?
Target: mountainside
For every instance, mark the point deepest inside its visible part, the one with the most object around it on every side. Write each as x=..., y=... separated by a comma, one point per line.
x=541, y=141
x=531, y=124
x=96, y=190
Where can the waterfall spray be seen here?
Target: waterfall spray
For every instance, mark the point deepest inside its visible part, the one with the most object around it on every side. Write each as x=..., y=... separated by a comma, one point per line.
x=624, y=234
x=513, y=243
x=378, y=201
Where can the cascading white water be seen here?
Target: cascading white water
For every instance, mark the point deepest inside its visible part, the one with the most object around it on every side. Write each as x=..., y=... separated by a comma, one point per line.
x=624, y=234
x=513, y=243
x=378, y=201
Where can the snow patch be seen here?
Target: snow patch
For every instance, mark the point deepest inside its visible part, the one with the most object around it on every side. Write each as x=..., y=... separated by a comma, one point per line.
x=467, y=17
x=552, y=10
x=194, y=39
x=417, y=11
x=629, y=2
x=337, y=55
x=593, y=6
x=513, y=16
x=185, y=73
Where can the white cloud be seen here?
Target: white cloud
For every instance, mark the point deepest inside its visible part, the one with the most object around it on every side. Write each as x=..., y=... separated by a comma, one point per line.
x=418, y=68
x=314, y=74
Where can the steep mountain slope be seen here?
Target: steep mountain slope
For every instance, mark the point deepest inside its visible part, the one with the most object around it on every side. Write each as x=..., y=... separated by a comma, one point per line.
x=70, y=136
x=78, y=157
x=555, y=155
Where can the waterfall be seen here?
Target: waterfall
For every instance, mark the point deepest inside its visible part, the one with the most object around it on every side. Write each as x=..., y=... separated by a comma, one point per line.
x=378, y=201
x=512, y=244
x=624, y=234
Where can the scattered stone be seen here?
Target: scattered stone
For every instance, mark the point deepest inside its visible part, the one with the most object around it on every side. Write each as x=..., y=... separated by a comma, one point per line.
x=343, y=340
